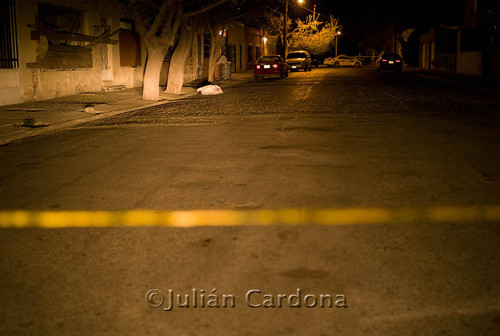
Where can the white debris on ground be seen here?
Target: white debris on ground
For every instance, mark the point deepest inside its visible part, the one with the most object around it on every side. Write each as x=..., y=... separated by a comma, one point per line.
x=210, y=90
x=89, y=108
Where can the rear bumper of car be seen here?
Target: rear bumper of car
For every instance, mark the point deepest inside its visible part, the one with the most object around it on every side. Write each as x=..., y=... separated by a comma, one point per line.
x=267, y=71
x=387, y=65
x=296, y=66
x=390, y=66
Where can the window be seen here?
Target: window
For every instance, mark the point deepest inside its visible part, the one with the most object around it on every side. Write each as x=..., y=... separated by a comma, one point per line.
x=241, y=57
x=297, y=55
x=232, y=56
x=130, y=48
x=206, y=45
x=271, y=59
x=61, y=19
x=8, y=35
x=250, y=54
x=61, y=28
x=130, y=44
x=231, y=52
x=127, y=24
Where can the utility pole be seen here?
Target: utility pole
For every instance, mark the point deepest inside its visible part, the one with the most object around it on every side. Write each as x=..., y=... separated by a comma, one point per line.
x=395, y=37
x=285, y=44
x=336, y=41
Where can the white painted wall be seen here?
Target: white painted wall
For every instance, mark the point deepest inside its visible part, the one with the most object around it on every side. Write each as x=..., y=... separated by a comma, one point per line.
x=26, y=84
x=469, y=63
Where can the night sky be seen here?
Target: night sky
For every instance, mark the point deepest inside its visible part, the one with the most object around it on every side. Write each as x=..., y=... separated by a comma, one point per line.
x=409, y=13
x=371, y=24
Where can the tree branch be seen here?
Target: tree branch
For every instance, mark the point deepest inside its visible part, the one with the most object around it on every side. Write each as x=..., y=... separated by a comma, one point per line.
x=168, y=21
x=207, y=8
x=158, y=20
x=170, y=31
x=178, y=21
x=139, y=24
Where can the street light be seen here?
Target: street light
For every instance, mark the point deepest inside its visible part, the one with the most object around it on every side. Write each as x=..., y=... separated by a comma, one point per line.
x=285, y=27
x=336, y=41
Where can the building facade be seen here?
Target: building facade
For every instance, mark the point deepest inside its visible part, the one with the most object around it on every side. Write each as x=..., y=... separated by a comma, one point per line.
x=54, y=48
x=472, y=48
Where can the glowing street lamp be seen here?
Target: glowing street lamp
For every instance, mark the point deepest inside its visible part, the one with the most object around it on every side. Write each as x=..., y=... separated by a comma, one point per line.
x=285, y=27
x=336, y=41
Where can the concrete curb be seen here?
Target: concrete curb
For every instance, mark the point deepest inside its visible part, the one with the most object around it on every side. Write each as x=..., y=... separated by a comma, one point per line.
x=469, y=81
x=438, y=79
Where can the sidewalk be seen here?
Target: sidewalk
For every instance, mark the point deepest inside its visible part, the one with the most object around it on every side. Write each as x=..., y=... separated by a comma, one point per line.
x=63, y=112
x=475, y=83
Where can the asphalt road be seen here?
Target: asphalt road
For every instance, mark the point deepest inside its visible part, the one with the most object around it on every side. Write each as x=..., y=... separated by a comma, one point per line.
x=329, y=138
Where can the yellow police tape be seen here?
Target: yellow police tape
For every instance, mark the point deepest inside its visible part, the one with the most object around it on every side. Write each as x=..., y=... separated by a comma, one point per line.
x=195, y=218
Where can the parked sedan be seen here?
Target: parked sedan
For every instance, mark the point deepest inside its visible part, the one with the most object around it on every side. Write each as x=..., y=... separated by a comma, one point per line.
x=342, y=60
x=299, y=59
x=389, y=62
x=316, y=60
x=270, y=65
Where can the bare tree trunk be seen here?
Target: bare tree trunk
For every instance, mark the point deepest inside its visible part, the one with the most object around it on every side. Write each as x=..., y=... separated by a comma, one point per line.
x=151, y=83
x=159, y=35
x=179, y=57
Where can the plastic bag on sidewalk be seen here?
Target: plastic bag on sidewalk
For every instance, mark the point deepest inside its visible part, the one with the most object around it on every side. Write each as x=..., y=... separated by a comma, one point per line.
x=222, y=60
x=210, y=90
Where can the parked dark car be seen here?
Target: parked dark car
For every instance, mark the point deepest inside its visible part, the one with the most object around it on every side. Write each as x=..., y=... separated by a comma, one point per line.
x=389, y=62
x=316, y=60
x=299, y=59
x=270, y=65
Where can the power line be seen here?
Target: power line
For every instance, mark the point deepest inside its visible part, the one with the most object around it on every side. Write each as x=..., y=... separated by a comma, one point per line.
x=301, y=6
x=307, y=9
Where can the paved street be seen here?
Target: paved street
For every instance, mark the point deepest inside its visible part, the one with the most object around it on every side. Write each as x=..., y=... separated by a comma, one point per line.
x=325, y=139
x=335, y=137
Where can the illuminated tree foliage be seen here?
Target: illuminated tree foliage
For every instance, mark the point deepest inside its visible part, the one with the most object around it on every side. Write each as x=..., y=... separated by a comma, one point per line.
x=314, y=35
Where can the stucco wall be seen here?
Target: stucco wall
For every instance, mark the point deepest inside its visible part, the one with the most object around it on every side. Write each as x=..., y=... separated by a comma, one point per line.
x=496, y=63
x=469, y=63
x=64, y=83
x=26, y=84
x=9, y=86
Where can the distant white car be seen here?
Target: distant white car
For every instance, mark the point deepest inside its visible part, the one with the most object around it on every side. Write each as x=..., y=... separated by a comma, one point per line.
x=342, y=60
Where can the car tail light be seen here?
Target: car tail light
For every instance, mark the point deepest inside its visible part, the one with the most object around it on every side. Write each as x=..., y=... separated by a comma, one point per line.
x=398, y=61
x=275, y=66
x=257, y=67
x=384, y=60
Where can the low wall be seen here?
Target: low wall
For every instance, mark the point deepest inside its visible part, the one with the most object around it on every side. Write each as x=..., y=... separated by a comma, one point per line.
x=469, y=63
